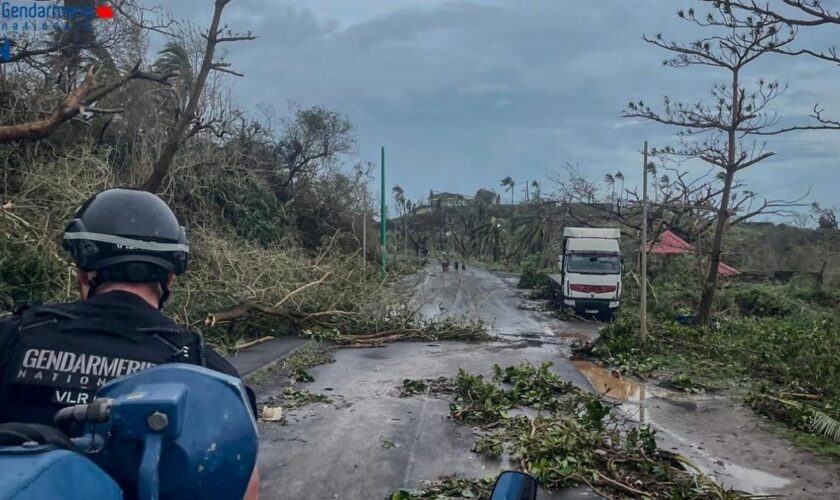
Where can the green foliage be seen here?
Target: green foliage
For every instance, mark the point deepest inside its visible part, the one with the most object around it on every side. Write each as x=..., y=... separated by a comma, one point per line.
x=301, y=375
x=309, y=355
x=762, y=301
x=450, y=487
x=252, y=211
x=821, y=420
x=292, y=398
x=25, y=274
x=534, y=276
x=771, y=338
x=573, y=439
x=411, y=387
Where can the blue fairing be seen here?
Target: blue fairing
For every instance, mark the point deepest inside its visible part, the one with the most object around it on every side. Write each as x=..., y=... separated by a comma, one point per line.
x=45, y=473
x=173, y=432
x=207, y=451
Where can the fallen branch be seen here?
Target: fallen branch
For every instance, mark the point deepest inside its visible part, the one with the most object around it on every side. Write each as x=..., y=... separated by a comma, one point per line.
x=243, y=309
x=252, y=343
x=84, y=95
x=621, y=486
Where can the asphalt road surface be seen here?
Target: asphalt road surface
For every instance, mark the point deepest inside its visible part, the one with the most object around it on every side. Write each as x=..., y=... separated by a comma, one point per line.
x=369, y=442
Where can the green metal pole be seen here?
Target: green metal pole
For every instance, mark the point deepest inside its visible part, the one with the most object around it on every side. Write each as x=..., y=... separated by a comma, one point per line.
x=383, y=225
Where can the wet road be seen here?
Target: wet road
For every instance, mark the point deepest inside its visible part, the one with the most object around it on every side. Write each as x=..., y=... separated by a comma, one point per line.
x=369, y=442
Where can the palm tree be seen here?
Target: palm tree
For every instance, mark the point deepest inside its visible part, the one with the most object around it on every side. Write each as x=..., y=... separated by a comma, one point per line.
x=488, y=232
x=610, y=181
x=536, y=186
x=407, y=209
x=650, y=169
x=533, y=229
x=399, y=197
x=508, y=184
x=173, y=58
x=620, y=177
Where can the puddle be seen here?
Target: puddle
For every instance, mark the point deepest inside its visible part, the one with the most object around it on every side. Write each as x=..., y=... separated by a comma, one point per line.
x=606, y=382
x=633, y=394
x=746, y=479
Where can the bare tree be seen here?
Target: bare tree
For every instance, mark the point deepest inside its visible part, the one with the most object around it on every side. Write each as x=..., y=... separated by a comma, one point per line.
x=798, y=14
x=717, y=131
x=187, y=123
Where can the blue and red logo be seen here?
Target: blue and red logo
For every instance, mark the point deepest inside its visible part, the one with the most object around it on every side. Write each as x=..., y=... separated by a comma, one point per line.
x=40, y=16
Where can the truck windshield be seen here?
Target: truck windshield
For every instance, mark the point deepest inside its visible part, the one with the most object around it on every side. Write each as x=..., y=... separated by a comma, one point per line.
x=594, y=264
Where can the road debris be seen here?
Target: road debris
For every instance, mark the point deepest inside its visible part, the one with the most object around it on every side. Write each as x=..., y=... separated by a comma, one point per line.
x=573, y=438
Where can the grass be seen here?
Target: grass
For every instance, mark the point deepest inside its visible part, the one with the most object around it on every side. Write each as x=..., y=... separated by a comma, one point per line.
x=307, y=356
x=295, y=366
x=811, y=442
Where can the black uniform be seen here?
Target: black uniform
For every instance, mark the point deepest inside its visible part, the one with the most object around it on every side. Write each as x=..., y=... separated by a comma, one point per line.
x=59, y=355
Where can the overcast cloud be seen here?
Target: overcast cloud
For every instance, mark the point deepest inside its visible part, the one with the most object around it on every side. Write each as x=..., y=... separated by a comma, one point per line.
x=463, y=93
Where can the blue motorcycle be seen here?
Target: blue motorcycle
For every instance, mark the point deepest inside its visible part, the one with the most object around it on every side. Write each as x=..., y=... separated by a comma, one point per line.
x=514, y=485
x=171, y=432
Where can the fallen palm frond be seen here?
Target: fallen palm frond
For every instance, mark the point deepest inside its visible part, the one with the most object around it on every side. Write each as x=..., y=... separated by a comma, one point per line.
x=798, y=414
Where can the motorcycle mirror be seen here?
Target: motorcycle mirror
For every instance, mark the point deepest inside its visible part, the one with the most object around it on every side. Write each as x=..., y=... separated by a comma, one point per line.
x=514, y=485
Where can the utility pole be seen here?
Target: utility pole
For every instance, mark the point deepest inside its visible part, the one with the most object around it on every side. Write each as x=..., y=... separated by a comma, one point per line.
x=364, y=227
x=383, y=224
x=643, y=259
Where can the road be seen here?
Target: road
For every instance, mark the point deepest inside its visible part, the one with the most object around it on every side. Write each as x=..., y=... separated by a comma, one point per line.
x=368, y=441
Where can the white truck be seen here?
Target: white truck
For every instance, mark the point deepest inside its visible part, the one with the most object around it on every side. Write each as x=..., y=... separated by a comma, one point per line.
x=590, y=266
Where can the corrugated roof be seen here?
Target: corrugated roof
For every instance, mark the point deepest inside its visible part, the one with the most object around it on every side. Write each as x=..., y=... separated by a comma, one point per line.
x=670, y=243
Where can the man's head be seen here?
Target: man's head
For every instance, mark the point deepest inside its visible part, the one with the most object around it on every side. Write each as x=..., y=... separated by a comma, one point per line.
x=127, y=239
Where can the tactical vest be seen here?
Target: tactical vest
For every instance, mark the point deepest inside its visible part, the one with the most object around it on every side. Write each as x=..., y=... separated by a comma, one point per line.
x=60, y=359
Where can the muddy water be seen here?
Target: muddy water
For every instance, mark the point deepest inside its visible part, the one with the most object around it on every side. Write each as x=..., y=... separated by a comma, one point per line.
x=610, y=383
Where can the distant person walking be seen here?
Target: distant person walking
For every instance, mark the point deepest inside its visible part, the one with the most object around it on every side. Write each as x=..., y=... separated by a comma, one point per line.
x=456, y=265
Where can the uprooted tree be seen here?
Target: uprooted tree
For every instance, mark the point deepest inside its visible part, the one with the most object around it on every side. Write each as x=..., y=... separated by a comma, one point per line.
x=721, y=132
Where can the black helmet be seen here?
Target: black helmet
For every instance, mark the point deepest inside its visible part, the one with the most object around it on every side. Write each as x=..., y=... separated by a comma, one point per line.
x=127, y=235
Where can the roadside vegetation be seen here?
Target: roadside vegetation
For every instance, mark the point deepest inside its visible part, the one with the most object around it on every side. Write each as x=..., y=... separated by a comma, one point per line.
x=562, y=435
x=774, y=344
x=275, y=204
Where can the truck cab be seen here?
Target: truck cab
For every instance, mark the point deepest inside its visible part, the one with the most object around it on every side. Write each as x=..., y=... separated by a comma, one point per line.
x=590, y=266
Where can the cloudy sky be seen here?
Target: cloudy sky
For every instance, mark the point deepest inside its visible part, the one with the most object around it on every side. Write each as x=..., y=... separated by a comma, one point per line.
x=463, y=93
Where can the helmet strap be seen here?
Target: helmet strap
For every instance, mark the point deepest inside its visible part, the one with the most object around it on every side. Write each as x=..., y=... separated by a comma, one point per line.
x=164, y=296
x=92, y=285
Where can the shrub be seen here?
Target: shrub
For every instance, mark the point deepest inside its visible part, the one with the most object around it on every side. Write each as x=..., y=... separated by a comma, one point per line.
x=762, y=301
x=534, y=275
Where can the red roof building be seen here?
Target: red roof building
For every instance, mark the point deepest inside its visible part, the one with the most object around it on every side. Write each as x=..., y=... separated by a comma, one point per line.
x=670, y=243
